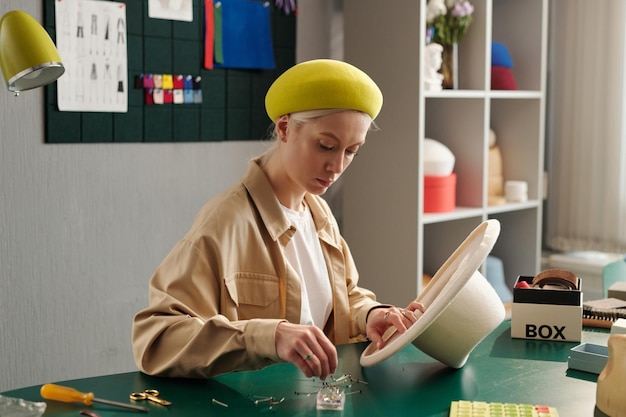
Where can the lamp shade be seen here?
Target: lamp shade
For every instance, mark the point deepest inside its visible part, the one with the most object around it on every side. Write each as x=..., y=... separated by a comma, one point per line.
x=28, y=57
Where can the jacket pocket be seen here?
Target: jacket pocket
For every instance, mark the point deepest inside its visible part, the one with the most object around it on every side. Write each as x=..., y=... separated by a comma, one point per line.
x=254, y=295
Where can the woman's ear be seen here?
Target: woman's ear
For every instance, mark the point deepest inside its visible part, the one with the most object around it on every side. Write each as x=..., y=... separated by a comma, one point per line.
x=281, y=127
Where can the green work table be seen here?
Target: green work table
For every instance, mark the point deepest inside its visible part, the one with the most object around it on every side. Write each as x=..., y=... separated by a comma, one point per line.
x=409, y=383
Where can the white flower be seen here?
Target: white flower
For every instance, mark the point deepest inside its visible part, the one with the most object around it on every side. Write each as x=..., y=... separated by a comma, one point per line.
x=462, y=8
x=449, y=26
x=435, y=8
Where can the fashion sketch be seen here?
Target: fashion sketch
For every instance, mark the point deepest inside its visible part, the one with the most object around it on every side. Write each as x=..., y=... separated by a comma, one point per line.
x=92, y=45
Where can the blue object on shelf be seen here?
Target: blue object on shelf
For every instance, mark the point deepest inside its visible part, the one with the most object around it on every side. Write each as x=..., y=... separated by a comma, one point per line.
x=495, y=275
x=500, y=56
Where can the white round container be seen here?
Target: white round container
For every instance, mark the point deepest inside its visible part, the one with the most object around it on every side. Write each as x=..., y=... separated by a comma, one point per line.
x=516, y=191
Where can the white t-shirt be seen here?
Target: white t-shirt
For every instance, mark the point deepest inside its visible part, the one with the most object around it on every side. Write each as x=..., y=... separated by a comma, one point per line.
x=304, y=254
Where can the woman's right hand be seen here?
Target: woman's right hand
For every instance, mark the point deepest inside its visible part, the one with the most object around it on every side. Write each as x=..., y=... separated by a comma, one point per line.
x=380, y=319
x=308, y=348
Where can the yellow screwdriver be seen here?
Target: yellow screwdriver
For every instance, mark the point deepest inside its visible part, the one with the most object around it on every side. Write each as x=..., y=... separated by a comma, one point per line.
x=70, y=395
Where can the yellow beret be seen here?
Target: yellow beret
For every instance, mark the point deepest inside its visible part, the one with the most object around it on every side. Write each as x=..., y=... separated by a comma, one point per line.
x=323, y=84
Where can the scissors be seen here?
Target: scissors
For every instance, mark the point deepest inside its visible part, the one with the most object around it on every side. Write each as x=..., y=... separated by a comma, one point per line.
x=150, y=395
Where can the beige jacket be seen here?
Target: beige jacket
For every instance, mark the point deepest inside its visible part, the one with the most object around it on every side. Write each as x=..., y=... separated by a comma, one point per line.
x=215, y=301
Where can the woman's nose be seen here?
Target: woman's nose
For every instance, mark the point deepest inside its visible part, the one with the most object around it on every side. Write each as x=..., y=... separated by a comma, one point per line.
x=336, y=164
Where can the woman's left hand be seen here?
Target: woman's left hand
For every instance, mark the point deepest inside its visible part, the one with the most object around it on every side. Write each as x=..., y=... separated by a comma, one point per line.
x=380, y=319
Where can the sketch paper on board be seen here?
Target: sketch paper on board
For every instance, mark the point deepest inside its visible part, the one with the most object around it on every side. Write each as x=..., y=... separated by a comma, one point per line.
x=171, y=9
x=91, y=39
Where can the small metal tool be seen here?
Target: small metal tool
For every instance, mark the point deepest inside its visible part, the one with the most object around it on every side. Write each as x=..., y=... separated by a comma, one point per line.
x=150, y=395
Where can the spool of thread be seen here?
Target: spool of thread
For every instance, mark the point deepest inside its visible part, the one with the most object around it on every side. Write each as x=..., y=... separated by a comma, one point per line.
x=516, y=191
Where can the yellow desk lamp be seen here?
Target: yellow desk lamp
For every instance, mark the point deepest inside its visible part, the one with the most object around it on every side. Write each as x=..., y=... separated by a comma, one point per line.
x=28, y=57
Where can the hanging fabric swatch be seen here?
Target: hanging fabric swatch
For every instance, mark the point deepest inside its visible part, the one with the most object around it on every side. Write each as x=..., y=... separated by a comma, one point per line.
x=217, y=33
x=209, y=34
x=246, y=35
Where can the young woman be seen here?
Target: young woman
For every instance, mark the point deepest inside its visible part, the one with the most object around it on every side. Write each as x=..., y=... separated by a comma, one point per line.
x=264, y=274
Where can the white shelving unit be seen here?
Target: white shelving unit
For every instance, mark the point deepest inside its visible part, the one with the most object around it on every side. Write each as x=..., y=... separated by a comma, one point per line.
x=394, y=243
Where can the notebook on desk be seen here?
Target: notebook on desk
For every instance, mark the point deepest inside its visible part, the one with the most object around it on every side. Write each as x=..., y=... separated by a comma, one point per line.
x=603, y=312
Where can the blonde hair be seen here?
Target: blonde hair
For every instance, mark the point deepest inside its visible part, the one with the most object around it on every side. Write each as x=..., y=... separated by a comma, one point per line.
x=302, y=117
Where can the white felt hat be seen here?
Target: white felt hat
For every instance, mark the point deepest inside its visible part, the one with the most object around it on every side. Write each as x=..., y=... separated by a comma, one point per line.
x=438, y=158
x=461, y=307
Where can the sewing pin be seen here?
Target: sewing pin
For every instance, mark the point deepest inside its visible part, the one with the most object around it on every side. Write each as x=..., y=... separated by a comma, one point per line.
x=214, y=401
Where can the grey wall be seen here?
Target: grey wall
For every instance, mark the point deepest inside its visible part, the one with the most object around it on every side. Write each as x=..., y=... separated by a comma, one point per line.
x=82, y=227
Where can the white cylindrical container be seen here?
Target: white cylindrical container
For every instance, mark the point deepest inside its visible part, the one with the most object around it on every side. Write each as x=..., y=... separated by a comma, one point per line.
x=516, y=191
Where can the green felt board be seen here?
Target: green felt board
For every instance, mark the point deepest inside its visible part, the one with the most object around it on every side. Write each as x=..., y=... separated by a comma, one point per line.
x=232, y=100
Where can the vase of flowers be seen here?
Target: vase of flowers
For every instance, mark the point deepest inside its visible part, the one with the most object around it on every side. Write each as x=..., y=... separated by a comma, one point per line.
x=448, y=21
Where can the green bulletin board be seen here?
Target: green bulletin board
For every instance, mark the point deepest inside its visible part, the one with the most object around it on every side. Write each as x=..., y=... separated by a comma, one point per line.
x=232, y=107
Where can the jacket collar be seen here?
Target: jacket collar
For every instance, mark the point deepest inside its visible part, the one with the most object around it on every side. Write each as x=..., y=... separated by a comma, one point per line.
x=268, y=206
x=265, y=200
